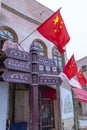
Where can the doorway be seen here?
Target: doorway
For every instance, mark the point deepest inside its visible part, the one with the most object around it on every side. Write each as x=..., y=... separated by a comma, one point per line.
x=46, y=115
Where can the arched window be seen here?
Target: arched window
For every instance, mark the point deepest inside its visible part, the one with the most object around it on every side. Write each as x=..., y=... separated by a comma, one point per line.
x=7, y=33
x=58, y=58
x=41, y=46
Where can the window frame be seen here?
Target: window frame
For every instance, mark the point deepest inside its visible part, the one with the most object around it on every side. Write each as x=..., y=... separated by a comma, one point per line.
x=11, y=31
x=58, y=58
x=43, y=45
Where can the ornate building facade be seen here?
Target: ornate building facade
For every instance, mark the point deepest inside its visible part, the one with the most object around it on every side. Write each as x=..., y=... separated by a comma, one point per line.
x=18, y=23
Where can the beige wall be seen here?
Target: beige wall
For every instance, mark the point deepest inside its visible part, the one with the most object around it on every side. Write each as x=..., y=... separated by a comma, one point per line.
x=30, y=8
x=0, y=8
x=23, y=28
x=81, y=63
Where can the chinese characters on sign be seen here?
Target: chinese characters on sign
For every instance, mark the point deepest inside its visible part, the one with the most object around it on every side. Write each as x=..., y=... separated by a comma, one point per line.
x=20, y=68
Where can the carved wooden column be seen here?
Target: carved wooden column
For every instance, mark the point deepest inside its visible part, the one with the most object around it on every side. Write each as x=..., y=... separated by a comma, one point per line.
x=34, y=108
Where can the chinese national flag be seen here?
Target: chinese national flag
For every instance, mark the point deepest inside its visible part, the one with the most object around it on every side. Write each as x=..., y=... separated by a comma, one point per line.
x=80, y=95
x=70, y=68
x=55, y=31
x=81, y=78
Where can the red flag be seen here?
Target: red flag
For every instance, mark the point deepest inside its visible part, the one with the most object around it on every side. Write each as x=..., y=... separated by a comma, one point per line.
x=50, y=93
x=70, y=68
x=81, y=78
x=55, y=31
x=80, y=95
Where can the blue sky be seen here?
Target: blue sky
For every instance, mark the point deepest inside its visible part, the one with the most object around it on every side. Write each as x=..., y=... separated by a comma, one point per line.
x=75, y=18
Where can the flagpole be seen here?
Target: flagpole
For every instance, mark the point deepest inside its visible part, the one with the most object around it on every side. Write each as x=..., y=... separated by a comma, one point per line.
x=35, y=29
x=27, y=37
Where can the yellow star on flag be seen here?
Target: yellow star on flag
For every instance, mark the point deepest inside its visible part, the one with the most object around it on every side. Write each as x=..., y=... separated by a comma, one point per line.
x=55, y=31
x=56, y=20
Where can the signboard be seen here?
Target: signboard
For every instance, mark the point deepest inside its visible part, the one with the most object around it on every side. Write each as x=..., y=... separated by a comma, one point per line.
x=47, y=66
x=47, y=61
x=21, y=61
x=16, y=54
x=49, y=80
x=47, y=69
x=16, y=77
x=17, y=65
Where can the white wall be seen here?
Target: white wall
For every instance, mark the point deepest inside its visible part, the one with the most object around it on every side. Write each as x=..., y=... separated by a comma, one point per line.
x=3, y=104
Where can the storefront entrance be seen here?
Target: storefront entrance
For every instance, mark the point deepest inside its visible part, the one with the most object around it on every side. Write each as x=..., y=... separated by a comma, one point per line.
x=19, y=108
x=46, y=113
